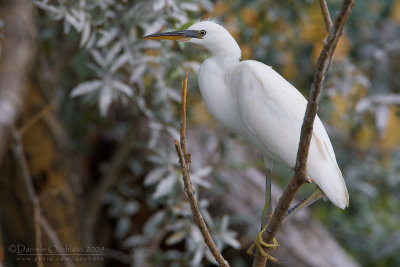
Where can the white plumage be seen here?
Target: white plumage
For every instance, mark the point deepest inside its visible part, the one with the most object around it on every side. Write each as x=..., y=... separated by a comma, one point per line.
x=253, y=100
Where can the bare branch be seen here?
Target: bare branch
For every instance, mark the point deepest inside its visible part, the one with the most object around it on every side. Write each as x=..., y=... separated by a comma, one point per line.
x=52, y=235
x=40, y=221
x=109, y=179
x=20, y=159
x=326, y=15
x=184, y=160
x=300, y=175
x=183, y=115
x=32, y=121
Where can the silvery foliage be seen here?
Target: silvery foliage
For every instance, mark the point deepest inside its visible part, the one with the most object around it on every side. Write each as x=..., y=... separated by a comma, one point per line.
x=118, y=56
x=369, y=83
x=378, y=104
x=378, y=101
x=111, y=31
x=381, y=53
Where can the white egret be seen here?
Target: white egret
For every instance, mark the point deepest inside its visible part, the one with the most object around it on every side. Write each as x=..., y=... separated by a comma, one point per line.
x=253, y=100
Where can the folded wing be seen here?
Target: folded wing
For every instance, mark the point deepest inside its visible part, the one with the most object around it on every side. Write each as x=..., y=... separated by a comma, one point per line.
x=272, y=111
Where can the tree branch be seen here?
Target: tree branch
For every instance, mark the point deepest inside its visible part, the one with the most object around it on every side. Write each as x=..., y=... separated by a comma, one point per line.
x=40, y=221
x=94, y=202
x=326, y=15
x=300, y=175
x=184, y=160
x=20, y=159
x=32, y=121
x=52, y=235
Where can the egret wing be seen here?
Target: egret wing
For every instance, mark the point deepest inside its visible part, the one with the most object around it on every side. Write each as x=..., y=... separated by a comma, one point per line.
x=270, y=107
x=272, y=111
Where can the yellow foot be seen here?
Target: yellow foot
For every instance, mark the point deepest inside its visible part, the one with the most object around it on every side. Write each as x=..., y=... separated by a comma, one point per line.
x=259, y=243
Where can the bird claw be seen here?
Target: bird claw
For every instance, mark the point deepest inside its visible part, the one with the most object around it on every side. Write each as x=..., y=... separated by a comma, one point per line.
x=259, y=243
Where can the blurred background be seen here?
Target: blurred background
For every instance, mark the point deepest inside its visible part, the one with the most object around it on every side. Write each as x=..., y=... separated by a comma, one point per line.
x=89, y=111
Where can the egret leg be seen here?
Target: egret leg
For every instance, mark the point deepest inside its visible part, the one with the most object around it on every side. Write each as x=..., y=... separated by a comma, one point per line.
x=315, y=195
x=267, y=210
x=265, y=217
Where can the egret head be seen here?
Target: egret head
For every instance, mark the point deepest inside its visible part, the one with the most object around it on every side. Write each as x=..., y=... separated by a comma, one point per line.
x=207, y=34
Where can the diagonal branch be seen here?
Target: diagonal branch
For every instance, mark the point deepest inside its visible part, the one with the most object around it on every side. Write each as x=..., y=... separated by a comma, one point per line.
x=19, y=156
x=325, y=14
x=300, y=175
x=40, y=222
x=53, y=237
x=184, y=160
x=93, y=201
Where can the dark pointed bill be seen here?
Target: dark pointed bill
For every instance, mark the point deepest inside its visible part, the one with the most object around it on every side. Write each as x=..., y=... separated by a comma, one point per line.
x=176, y=35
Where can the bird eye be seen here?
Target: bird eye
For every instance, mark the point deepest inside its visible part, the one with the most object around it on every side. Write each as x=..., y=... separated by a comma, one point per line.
x=202, y=32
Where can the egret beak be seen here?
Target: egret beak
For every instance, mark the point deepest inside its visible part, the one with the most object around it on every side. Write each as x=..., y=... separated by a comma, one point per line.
x=176, y=35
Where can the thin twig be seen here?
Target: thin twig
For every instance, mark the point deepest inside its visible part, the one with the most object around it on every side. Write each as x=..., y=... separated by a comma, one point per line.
x=52, y=235
x=184, y=160
x=327, y=20
x=19, y=156
x=183, y=115
x=155, y=244
x=118, y=161
x=326, y=15
x=300, y=175
x=40, y=221
x=37, y=117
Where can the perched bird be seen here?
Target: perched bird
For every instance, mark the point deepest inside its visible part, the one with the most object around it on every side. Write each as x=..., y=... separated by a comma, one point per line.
x=253, y=100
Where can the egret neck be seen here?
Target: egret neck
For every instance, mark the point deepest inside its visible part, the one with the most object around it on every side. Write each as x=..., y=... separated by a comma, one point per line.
x=225, y=54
